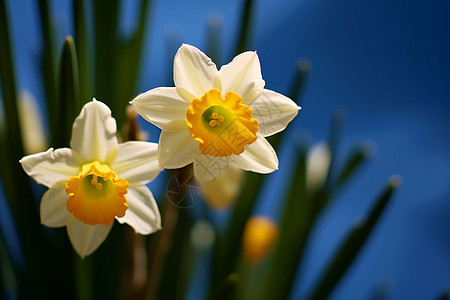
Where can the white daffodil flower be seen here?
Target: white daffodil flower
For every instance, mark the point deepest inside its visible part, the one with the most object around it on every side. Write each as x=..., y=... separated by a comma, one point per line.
x=216, y=118
x=96, y=181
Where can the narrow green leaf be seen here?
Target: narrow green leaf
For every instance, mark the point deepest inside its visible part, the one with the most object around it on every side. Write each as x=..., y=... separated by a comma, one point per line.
x=353, y=243
x=244, y=30
x=337, y=125
x=8, y=277
x=105, y=22
x=355, y=160
x=12, y=148
x=48, y=70
x=165, y=242
x=336, y=129
x=84, y=50
x=128, y=63
x=295, y=222
x=226, y=251
x=445, y=295
x=213, y=37
x=69, y=90
x=175, y=279
x=298, y=83
x=14, y=179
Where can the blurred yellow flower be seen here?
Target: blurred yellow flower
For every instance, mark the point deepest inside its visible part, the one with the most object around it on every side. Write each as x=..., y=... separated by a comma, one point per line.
x=260, y=235
x=216, y=118
x=88, y=182
x=221, y=192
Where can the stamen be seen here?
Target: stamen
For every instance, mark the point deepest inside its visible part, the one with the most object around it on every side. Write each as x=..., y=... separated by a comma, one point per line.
x=220, y=119
x=212, y=123
x=215, y=115
x=99, y=186
x=94, y=180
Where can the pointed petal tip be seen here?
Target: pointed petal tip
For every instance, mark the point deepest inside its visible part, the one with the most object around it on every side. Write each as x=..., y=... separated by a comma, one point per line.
x=395, y=180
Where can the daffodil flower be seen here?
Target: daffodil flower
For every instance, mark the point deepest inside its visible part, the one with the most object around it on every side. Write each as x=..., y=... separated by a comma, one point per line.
x=96, y=181
x=216, y=118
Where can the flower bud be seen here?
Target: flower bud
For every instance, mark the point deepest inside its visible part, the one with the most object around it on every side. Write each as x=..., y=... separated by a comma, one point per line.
x=221, y=192
x=317, y=165
x=31, y=124
x=260, y=234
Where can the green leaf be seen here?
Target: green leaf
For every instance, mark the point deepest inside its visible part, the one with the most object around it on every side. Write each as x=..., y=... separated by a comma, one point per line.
x=48, y=70
x=84, y=50
x=226, y=249
x=445, y=295
x=117, y=61
x=353, y=243
x=14, y=179
x=243, y=40
x=177, y=271
x=298, y=83
x=11, y=149
x=355, y=160
x=69, y=91
x=336, y=129
x=128, y=63
x=166, y=269
x=8, y=277
x=294, y=228
x=213, y=37
x=105, y=22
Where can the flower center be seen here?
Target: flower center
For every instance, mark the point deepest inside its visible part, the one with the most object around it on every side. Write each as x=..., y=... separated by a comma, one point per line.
x=222, y=126
x=97, y=196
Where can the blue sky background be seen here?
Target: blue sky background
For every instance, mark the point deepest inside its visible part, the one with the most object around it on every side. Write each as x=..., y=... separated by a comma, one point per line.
x=385, y=62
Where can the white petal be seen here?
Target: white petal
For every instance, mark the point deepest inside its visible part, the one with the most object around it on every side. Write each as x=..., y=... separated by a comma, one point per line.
x=258, y=157
x=51, y=166
x=94, y=131
x=53, y=206
x=162, y=107
x=86, y=238
x=207, y=167
x=273, y=112
x=176, y=149
x=243, y=76
x=137, y=162
x=193, y=71
x=142, y=213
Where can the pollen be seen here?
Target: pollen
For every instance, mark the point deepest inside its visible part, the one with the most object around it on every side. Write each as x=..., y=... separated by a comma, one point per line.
x=97, y=196
x=216, y=120
x=223, y=126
